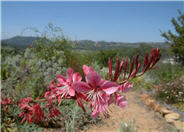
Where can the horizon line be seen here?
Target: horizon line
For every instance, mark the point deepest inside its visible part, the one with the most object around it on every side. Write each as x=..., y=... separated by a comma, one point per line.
x=92, y=40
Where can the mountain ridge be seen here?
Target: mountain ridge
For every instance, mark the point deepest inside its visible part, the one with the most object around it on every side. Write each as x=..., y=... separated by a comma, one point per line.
x=26, y=41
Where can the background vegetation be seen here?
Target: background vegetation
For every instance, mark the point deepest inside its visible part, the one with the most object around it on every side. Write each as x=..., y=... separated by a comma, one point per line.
x=176, y=40
x=30, y=63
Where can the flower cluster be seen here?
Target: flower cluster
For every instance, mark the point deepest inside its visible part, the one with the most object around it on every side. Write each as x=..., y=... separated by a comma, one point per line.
x=28, y=110
x=93, y=90
x=6, y=102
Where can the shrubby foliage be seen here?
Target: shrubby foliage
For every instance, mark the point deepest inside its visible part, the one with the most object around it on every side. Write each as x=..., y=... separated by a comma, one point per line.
x=28, y=74
x=166, y=84
x=172, y=92
x=128, y=126
x=102, y=57
x=176, y=41
x=166, y=72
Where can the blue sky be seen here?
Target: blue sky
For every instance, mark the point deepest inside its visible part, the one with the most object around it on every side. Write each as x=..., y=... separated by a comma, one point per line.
x=109, y=21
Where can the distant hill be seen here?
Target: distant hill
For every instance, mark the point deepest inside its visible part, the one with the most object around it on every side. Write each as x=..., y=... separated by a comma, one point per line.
x=23, y=42
x=19, y=41
x=89, y=44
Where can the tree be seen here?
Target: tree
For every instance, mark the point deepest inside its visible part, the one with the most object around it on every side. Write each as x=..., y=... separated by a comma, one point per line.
x=176, y=41
x=142, y=48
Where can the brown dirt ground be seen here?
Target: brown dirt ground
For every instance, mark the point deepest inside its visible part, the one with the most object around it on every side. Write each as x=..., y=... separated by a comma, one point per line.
x=146, y=120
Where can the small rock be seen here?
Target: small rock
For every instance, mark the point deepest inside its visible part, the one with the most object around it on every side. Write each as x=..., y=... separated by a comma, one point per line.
x=164, y=111
x=171, y=117
x=179, y=125
x=151, y=103
x=145, y=100
x=157, y=108
x=144, y=96
x=168, y=120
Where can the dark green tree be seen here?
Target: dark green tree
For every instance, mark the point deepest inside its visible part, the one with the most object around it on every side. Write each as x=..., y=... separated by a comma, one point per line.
x=143, y=47
x=176, y=41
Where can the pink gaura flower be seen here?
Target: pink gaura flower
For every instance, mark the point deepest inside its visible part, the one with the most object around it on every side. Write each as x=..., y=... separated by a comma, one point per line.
x=121, y=101
x=6, y=101
x=96, y=89
x=54, y=112
x=125, y=87
x=63, y=87
x=27, y=113
x=38, y=112
x=30, y=111
x=118, y=100
x=49, y=95
x=87, y=69
x=24, y=101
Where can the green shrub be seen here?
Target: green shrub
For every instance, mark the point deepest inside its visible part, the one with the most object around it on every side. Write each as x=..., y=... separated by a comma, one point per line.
x=128, y=127
x=29, y=75
x=76, y=119
x=176, y=39
x=102, y=57
x=142, y=83
x=172, y=92
x=166, y=72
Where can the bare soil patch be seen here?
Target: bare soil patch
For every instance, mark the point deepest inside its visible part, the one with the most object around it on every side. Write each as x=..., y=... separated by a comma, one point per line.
x=146, y=120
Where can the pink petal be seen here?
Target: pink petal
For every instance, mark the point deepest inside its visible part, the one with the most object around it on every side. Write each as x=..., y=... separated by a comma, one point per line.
x=61, y=79
x=52, y=85
x=95, y=113
x=46, y=94
x=28, y=99
x=108, y=84
x=56, y=112
x=109, y=87
x=93, y=78
x=125, y=87
x=57, y=91
x=111, y=100
x=69, y=75
x=81, y=87
x=104, y=103
x=82, y=96
x=59, y=99
x=77, y=77
x=85, y=69
x=110, y=90
x=80, y=104
x=71, y=92
x=101, y=82
x=100, y=105
x=121, y=101
x=59, y=84
x=23, y=119
x=91, y=69
x=21, y=114
x=30, y=118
